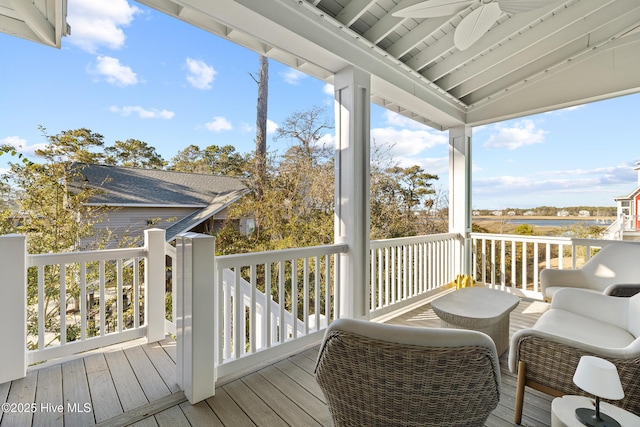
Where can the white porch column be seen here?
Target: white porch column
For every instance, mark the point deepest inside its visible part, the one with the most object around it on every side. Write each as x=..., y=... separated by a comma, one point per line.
x=154, y=283
x=352, y=162
x=13, y=307
x=460, y=189
x=195, y=324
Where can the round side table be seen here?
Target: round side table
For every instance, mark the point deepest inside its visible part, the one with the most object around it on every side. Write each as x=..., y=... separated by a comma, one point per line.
x=563, y=412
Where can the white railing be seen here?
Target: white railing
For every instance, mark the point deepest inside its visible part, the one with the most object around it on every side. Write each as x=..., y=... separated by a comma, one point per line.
x=97, y=296
x=623, y=224
x=171, y=313
x=514, y=262
x=406, y=269
x=268, y=299
x=79, y=301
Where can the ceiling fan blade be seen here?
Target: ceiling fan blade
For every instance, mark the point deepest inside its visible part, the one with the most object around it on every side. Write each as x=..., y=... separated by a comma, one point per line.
x=433, y=8
x=475, y=25
x=518, y=6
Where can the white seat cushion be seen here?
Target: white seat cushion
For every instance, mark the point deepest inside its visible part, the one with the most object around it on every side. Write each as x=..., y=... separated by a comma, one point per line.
x=551, y=290
x=583, y=329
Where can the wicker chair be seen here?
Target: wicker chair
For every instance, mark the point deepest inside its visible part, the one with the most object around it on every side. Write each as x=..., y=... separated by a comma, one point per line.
x=374, y=374
x=614, y=270
x=578, y=323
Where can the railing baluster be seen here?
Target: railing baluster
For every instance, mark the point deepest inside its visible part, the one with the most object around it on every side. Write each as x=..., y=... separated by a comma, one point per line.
x=136, y=294
x=120, y=301
x=83, y=301
x=63, y=304
x=103, y=314
x=294, y=296
x=317, y=292
x=268, y=319
x=41, y=307
x=282, y=323
x=252, y=309
x=305, y=289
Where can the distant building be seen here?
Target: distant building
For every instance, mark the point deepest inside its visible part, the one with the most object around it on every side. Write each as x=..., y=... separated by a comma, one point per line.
x=529, y=213
x=584, y=213
x=153, y=198
x=627, y=225
x=562, y=213
x=511, y=213
x=496, y=213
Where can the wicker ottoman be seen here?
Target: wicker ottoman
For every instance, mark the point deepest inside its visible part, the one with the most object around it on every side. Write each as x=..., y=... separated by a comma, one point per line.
x=480, y=309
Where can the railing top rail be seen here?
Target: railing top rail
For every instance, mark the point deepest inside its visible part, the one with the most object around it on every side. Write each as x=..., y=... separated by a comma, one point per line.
x=230, y=261
x=518, y=237
x=36, y=260
x=376, y=244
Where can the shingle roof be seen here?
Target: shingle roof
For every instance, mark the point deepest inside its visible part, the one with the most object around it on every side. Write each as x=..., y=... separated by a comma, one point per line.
x=123, y=186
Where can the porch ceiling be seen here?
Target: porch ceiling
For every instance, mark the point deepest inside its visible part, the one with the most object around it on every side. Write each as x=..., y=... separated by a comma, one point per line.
x=42, y=21
x=567, y=53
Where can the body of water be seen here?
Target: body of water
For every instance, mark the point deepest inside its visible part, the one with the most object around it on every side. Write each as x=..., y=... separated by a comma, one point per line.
x=547, y=222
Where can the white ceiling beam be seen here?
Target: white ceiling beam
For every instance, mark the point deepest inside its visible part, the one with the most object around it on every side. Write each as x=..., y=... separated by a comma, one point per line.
x=440, y=47
x=354, y=10
x=570, y=43
x=598, y=74
x=493, y=37
x=388, y=22
x=416, y=36
x=36, y=21
x=534, y=44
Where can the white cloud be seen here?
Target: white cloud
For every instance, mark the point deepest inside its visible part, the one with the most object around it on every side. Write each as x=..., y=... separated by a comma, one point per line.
x=398, y=120
x=272, y=127
x=113, y=72
x=406, y=142
x=143, y=113
x=99, y=23
x=21, y=146
x=517, y=135
x=199, y=74
x=219, y=124
x=293, y=76
x=328, y=89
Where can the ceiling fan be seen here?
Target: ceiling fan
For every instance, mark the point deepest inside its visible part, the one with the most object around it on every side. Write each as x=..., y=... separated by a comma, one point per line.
x=475, y=24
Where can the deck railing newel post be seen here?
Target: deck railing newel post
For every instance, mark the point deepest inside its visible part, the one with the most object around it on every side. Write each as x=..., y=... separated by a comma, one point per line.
x=154, y=283
x=13, y=307
x=196, y=322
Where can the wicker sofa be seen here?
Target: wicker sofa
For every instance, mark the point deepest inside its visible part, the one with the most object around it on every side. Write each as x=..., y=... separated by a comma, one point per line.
x=578, y=323
x=374, y=374
x=614, y=270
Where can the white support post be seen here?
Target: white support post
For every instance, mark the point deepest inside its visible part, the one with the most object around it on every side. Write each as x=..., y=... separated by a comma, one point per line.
x=13, y=307
x=352, y=160
x=154, y=283
x=460, y=207
x=196, y=322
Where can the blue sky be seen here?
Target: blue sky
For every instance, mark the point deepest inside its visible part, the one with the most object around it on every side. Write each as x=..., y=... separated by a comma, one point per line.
x=128, y=71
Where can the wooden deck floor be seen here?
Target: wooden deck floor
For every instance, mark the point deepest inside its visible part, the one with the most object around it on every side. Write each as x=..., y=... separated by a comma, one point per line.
x=136, y=386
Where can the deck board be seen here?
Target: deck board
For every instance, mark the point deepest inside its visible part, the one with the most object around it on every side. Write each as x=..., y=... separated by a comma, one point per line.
x=150, y=380
x=75, y=391
x=129, y=392
x=227, y=410
x=102, y=389
x=49, y=392
x=252, y=404
x=22, y=392
x=135, y=385
x=200, y=414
